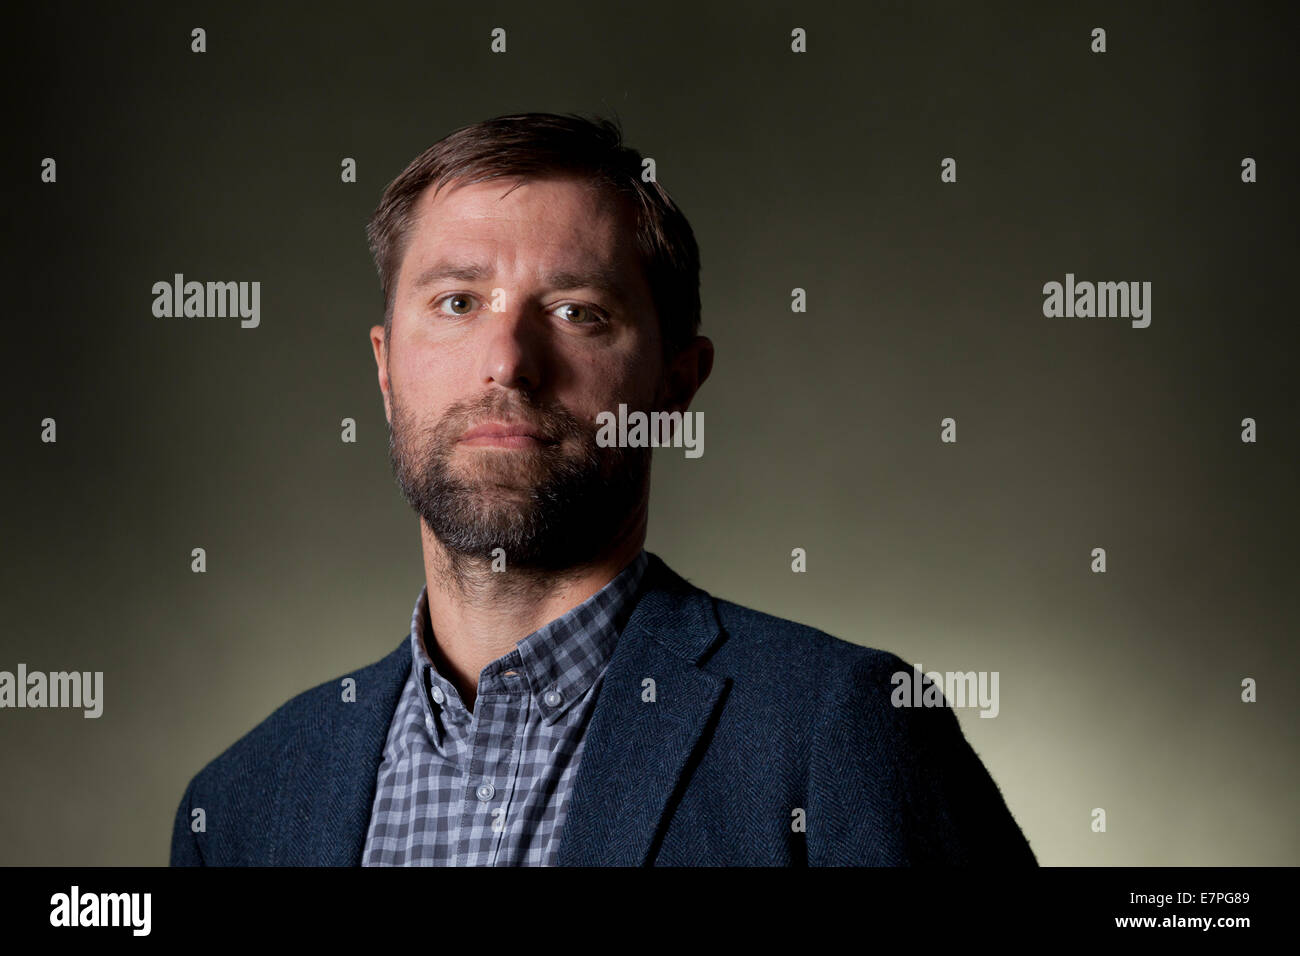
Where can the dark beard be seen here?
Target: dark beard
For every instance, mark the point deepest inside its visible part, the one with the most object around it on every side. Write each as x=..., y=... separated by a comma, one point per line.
x=548, y=508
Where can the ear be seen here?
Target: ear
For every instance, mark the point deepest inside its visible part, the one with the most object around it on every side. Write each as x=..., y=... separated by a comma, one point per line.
x=685, y=373
x=379, y=343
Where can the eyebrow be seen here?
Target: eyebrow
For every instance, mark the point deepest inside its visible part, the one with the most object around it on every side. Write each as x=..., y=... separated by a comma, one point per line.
x=603, y=279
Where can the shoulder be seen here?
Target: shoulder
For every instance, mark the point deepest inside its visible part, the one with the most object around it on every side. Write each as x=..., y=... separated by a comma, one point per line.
x=781, y=667
x=241, y=789
x=837, y=669
x=887, y=780
x=830, y=695
x=300, y=723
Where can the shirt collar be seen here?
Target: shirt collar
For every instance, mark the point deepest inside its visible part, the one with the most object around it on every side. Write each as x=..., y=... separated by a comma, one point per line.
x=559, y=661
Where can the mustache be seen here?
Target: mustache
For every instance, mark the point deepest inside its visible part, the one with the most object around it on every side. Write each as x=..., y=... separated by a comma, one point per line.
x=553, y=421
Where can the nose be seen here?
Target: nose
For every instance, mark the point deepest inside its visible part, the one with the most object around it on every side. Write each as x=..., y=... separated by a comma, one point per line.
x=512, y=354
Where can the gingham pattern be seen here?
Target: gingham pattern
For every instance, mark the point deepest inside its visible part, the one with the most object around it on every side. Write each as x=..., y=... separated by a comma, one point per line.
x=490, y=788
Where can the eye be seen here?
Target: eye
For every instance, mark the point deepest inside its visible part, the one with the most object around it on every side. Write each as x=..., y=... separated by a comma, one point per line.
x=459, y=302
x=577, y=314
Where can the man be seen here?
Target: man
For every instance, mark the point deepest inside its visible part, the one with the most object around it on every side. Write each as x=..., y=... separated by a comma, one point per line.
x=563, y=697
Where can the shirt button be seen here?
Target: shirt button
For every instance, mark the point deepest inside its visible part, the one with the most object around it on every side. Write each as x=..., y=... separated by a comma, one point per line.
x=428, y=723
x=485, y=792
x=438, y=696
x=552, y=698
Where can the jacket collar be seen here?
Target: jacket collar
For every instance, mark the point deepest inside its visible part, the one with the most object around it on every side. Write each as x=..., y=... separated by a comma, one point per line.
x=653, y=707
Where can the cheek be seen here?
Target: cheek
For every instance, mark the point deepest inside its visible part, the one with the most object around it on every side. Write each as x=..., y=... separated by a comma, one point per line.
x=423, y=386
x=602, y=384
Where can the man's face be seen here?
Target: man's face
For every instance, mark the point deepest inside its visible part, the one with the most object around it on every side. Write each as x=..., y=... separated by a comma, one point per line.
x=528, y=308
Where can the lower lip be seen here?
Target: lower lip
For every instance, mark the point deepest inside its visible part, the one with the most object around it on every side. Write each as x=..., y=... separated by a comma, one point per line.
x=504, y=441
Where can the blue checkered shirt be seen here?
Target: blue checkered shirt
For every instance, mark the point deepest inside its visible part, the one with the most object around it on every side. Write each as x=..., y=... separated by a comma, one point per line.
x=490, y=788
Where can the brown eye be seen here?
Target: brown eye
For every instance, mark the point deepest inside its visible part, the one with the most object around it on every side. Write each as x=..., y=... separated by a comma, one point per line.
x=460, y=304
x=576, y=314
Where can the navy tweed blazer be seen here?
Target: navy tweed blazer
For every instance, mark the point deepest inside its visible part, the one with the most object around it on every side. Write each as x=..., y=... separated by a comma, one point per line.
x=767, y=743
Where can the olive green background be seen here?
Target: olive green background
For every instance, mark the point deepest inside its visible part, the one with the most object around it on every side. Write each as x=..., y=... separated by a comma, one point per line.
x=820, y=171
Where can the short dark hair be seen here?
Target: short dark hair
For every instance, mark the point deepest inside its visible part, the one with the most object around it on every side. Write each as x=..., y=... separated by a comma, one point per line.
x=528, y=145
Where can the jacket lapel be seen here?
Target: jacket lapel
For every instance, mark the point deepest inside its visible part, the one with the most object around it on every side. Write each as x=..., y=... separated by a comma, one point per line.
x=325, y=807
x=637, y=751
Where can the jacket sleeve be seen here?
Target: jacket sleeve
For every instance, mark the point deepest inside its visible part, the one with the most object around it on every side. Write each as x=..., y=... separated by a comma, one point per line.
x=900, y=786
x=185, y=844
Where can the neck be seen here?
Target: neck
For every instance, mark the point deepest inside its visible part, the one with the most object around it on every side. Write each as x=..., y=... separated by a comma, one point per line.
x=478, y=614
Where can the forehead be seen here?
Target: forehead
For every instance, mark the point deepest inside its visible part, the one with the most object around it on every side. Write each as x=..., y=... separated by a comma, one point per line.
x=553, y=219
